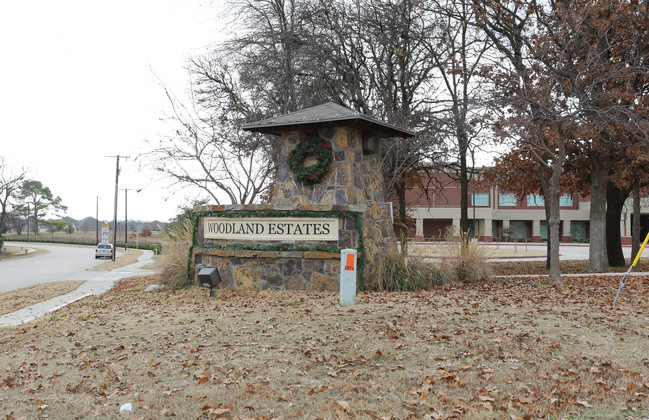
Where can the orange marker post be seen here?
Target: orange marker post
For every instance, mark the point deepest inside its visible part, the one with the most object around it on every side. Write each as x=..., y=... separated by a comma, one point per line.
x=348, y=277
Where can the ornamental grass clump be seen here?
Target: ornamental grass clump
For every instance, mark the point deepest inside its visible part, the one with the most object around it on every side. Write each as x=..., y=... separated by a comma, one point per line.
x=174, y=264
x=464, y=260
x=397, y=273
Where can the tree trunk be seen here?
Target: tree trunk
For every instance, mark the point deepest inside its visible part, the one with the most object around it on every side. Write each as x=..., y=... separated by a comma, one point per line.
x=464, y=190
x=552, y=192
x=3, y=212
x=36, y=230
x=615, y=198
x=548, y=254
x=400, y=189
x=598, y=258
x=636, y=229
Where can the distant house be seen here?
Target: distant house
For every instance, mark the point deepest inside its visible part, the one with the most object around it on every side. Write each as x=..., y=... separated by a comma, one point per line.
x=496, y=214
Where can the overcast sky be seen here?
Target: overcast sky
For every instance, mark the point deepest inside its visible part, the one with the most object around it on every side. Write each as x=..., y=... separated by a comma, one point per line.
x=80, y=80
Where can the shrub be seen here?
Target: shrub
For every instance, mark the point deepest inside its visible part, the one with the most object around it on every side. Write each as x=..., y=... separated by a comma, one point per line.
x=464, y=261
x=399, y=274
x=174, y=264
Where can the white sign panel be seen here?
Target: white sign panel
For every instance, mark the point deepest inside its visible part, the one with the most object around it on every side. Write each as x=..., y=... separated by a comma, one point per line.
x=272, y=228
x=105, y=229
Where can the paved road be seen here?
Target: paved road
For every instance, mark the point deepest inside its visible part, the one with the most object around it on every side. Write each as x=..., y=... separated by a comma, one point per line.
x=96, y=282
x=566, y=251
x=59, y=261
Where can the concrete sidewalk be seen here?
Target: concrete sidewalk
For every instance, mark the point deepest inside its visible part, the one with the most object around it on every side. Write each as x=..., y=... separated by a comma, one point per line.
x=96, y=283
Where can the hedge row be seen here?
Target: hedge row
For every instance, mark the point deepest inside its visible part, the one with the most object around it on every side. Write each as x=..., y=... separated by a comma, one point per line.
x=149, y=246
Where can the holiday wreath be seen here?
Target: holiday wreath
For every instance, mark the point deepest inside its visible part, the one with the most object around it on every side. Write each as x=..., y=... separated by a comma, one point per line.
x=310, y=174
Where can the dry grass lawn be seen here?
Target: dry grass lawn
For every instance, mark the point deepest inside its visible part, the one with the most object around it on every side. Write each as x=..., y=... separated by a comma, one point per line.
x=440, y=250
x=502, y=268
x=16, y=252
x=514, y=349
x=27, y=296
x=121, y=261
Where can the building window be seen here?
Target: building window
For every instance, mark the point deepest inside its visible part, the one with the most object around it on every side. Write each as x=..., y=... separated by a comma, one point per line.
x=544, y=230
x=535, y=200
x=578, y=230
x=473, y=231
x=518, y=229
x=480, y=199
x=507, y=200
x=565, y=200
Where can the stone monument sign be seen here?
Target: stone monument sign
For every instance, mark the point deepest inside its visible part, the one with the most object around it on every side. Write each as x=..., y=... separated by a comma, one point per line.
x=329, y=195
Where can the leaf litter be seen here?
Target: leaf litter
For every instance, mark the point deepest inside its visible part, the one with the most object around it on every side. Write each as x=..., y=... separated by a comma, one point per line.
x=510, y=349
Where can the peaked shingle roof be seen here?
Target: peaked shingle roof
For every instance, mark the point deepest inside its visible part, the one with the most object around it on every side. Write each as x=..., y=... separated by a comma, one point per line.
x=327, y=115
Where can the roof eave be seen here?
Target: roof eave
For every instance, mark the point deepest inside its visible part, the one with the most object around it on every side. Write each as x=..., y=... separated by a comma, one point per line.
x=378, y=127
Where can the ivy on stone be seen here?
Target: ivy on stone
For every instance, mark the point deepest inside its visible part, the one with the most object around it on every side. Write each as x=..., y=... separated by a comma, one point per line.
x=310, y=175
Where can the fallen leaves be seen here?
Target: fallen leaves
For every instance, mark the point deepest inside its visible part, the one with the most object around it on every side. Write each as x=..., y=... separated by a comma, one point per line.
x=343, y=405
x=503, y=348
x=525, y=400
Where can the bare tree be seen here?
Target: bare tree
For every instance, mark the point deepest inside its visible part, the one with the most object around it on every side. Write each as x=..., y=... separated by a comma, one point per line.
x=289, y=54
x=261, y=71
x=458, y=48
x=209, y=156
x=379, y=64
x=10, y=182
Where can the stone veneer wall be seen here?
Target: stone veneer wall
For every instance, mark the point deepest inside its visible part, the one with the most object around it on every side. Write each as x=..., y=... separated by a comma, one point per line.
x=355, y=178
x=259, y=265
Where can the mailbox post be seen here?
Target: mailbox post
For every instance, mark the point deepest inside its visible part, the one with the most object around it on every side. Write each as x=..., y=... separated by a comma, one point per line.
x=348, y=277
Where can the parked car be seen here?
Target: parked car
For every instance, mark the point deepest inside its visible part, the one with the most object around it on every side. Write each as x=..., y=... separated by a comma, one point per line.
x=103, y=251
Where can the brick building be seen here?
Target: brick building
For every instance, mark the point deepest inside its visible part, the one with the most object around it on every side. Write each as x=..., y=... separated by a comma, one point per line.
x=500, y=215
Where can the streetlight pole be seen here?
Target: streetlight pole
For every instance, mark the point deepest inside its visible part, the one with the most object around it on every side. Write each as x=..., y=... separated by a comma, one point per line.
x=126, y=218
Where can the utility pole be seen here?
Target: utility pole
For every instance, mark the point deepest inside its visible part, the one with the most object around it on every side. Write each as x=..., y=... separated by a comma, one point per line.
x=126, y=220
x=115, y=213
x=97, y=219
